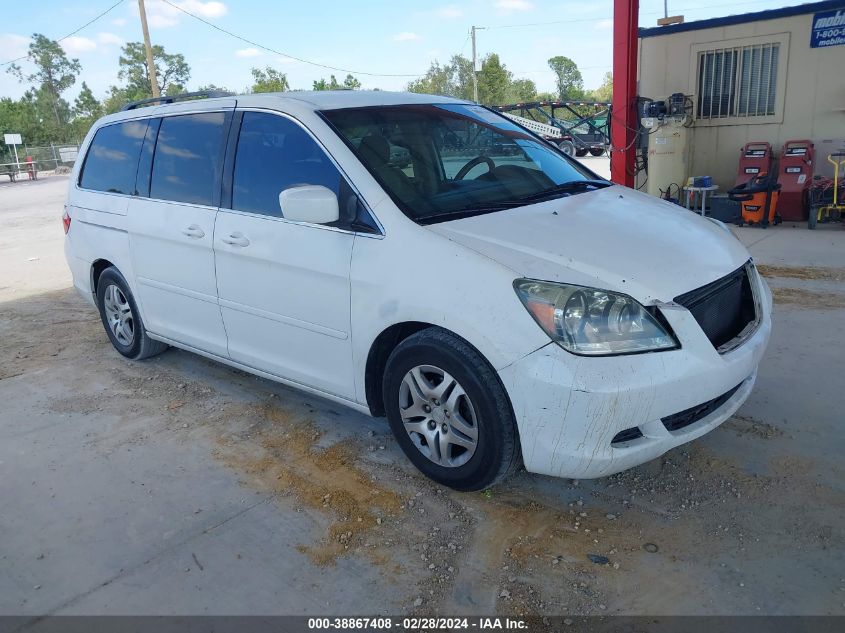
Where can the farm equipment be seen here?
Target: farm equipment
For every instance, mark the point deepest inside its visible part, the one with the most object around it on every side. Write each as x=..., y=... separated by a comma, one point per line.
x=827, y=195
x=577, y=134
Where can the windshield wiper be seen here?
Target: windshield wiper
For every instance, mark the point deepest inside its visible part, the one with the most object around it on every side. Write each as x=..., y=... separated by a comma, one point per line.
x=469, y=210
x=566, y=188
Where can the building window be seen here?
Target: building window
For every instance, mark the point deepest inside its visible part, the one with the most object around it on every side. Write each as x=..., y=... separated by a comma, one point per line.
x=738, y=82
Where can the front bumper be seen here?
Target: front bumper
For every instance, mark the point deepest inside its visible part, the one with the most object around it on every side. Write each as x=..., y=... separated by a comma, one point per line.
x=569, y=408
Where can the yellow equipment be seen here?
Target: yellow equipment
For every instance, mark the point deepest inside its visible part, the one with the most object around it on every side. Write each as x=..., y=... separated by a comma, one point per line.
x=825, y=212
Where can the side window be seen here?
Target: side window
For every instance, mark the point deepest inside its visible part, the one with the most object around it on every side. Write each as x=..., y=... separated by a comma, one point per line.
x=273, y=154
x=112, y=159
x=187, y=158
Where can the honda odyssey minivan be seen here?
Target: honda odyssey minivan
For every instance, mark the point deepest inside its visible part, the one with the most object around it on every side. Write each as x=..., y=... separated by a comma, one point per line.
x=497, y=301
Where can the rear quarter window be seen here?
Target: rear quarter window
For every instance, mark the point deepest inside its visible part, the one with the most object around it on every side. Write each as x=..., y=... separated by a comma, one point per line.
x=112, y=160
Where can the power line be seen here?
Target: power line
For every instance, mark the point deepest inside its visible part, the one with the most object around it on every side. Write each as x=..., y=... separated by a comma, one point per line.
x=72, y=33
x=276, y=52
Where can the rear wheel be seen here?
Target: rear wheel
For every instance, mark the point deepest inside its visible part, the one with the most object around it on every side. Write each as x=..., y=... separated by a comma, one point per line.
x=449, y=411
x=596, y=151
x=580, y=153
x=121, y=317
x=813, y=218
x=567, y=147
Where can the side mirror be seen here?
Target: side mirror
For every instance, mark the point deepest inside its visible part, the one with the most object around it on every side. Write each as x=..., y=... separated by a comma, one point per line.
x=309, y=203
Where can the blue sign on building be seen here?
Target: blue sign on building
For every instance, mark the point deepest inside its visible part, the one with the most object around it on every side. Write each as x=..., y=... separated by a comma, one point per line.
x=828, y=29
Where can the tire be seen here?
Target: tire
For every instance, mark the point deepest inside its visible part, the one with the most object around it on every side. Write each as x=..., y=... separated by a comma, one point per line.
x=596, y=151
x=475, y=404
x=580, y=153
x=567, y=147
x=126, y=331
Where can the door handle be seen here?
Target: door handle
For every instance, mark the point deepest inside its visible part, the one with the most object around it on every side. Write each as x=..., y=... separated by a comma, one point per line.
x=236, y=239
x=193, y=231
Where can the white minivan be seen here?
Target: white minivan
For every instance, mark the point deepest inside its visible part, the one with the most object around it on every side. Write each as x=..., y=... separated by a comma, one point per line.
x=420, y=258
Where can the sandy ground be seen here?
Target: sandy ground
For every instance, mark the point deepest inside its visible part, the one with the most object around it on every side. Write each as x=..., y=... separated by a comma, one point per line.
x=179, y=486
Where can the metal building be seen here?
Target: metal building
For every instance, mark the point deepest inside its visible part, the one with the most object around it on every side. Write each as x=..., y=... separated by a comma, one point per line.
x=770, y=76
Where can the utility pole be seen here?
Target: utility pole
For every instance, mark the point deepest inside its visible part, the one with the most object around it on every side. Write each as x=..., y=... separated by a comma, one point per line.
x=474, y=62
x=151, y=67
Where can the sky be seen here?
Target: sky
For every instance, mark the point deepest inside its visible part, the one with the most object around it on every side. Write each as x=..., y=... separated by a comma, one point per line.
x=391, y=40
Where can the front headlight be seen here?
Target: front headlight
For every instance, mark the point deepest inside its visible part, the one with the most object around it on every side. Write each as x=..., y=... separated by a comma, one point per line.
x=592, y=322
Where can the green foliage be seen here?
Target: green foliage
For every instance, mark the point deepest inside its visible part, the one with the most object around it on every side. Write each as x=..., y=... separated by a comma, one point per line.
x=350, y=83
x=172, y=71
x=213, y=88
x=54, y=73
x=605, y=91
x=494, y=81
x=86, y=110
x=521, y=90
x=570, y=83
x=268, y=80
x=496, y=85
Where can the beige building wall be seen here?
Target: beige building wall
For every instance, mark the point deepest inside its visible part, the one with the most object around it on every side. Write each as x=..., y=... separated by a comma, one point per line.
x=810, y=100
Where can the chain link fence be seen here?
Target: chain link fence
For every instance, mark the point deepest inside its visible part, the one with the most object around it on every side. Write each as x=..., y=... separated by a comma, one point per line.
x=56, y=157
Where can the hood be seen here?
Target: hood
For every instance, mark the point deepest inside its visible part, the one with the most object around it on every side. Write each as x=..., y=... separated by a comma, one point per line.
x=613, y=238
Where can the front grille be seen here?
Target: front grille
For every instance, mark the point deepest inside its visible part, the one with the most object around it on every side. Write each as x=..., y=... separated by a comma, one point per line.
x=678, y=421
x=723, y=308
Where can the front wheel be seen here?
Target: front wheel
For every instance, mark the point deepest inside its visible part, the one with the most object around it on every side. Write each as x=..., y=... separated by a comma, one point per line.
x=121, y=317
x=449, y=411
x=580, y=153
x=596, y=151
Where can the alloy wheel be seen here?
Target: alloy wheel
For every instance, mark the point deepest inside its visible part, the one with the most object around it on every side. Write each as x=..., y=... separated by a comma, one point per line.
x=438, y=416
x=119, y=315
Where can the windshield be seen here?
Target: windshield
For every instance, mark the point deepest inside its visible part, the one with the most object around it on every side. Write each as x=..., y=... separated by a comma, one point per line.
x=443, y=161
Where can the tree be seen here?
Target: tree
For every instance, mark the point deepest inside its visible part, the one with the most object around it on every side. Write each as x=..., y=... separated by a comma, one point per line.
x=494, y=80
x=521, y=90
x=86, y=104
x=214, y=88
x=453, y=79
x=570, y=83
x=172, y=71
x=86, y=110
x=434, y=82
x=268, y=80
x=350, y=83
x=605, y=91
x=54, y=73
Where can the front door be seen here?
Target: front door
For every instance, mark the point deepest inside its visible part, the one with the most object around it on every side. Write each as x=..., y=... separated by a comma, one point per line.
x=171, y=231
x=284, y=286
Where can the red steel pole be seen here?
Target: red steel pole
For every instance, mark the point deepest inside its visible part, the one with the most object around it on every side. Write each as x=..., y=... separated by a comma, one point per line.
x=625, y=117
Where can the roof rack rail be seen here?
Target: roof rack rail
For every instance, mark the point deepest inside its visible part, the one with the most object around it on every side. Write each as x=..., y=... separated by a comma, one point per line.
x=184, y=96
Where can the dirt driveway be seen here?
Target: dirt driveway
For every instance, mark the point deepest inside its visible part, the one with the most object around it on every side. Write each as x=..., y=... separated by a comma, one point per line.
x=179, y=486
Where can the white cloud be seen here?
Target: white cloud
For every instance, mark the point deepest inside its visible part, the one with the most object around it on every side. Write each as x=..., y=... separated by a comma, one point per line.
x=13, y=46
x=406, y=36
x=119, y=21
x=509, y=6
x=77, y=44
x=204, y=9
x=247, y=52
x=449, y=12
x=603, y=25
x=109, y=38
x=161, y=15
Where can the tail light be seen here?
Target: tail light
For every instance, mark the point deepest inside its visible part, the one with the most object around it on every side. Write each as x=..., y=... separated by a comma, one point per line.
x=66, y=221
